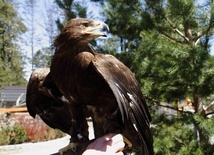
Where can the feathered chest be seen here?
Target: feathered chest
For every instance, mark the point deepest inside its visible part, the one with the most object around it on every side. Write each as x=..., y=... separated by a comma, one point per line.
x=74, y=76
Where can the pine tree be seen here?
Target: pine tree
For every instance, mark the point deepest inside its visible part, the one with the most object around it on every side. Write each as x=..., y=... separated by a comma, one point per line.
x=10, y=56
x=71, y=9
x=167, y=44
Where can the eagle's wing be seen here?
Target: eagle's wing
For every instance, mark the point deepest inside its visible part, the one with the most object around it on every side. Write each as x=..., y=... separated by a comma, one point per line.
x=127, y=93
x=45, y=99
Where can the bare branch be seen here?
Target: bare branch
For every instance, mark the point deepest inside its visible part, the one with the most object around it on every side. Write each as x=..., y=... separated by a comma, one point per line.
x=167, y=106
x=176, y=29
x=169, y=37
x=196, y=39
x=170, y=23
x=210, y=109
x=209, y=28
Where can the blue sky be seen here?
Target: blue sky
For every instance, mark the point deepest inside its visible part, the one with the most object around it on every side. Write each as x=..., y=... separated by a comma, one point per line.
x=41, y=38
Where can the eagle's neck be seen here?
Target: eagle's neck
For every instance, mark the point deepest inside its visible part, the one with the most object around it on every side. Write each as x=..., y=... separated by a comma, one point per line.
x=70, y=59
x=70, y=66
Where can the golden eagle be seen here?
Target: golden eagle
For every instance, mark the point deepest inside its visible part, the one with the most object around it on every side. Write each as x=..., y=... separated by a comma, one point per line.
x=82, y=83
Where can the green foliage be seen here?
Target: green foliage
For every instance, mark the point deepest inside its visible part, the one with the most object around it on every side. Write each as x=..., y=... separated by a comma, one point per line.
x=172, y=71
x=12, y=135
x=42, y=58
x=17, y=134
x=168, y=58
x=174, y=134
x=207, y=125
x=128, y=11
x=177, y=135
x=4, y=140
x=11, y=61
x=53, y=134
x=166, y=44
x=71, y=9
x=175, y=139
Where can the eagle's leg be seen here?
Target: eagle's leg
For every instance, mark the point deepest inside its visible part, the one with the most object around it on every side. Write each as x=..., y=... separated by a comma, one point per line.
x=73, y=144
x=78, y=132
x=77, y=138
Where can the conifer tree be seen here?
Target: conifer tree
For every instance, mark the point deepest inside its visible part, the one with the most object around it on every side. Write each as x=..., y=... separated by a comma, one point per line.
x=11, y=63
x=167, y=45
x=71, y=9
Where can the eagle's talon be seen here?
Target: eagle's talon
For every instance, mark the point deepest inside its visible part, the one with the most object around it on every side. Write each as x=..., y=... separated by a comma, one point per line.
x=127, y=142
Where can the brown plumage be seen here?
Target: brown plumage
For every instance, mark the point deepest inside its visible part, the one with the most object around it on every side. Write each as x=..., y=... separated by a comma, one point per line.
x=93, y=85
x=44, y=98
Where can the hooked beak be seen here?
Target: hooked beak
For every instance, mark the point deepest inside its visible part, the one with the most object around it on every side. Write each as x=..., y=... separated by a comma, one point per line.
x=97, y=29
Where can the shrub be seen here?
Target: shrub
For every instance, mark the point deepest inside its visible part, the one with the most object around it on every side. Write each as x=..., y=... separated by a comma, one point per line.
x=19, y=135
x=4, y=139
x=53, y=134
x=13, y=135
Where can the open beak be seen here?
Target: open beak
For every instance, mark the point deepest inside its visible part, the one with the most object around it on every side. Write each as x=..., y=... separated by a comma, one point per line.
x=97, y=28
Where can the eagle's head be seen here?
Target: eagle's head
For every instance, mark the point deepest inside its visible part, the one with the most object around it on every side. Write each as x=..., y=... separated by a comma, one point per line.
x=80, y=31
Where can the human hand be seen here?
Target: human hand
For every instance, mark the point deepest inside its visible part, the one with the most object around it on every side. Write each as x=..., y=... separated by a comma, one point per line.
x=110, y=144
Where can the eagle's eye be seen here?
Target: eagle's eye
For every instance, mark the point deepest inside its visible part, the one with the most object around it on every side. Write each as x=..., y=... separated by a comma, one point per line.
x=86, y=24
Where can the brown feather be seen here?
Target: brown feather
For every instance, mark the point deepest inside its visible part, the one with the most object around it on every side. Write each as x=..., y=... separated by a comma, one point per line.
x=48, y=106
x=103, y=85
x=97, y=86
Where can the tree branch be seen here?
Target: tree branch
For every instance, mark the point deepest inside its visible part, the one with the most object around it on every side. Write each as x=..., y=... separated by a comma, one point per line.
x=167, y=106
x=207, y=31
x=210, y=109
x=169, y=22
x=196, y=39
x=169, y=37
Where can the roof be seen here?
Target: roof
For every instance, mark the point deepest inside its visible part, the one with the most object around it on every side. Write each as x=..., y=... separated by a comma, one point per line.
x=13, y=93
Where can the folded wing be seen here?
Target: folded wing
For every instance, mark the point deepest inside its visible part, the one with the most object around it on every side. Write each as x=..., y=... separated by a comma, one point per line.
x=44, y=99
x=128, y=95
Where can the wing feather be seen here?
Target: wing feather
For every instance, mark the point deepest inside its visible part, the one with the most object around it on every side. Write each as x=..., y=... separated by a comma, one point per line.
x=127, y=93
x=44, y=99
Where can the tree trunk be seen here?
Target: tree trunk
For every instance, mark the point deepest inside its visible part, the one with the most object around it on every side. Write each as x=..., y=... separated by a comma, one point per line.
x=200, y=111
x=198, y=105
